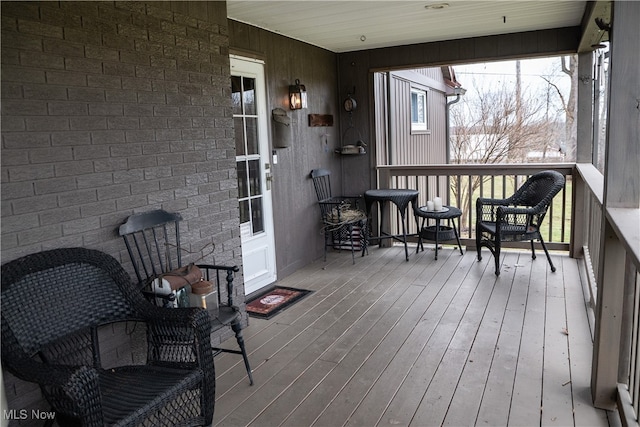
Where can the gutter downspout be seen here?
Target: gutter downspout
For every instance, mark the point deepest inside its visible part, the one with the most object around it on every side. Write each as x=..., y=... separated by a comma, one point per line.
x=447, y=131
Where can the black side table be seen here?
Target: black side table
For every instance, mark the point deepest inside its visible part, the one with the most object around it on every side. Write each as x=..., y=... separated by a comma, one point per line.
x=398, y=197
x=437, y=233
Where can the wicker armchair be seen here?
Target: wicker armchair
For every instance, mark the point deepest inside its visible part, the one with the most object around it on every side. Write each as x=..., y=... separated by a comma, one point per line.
x=344, y=225
x=55, y=305
x=517, y=218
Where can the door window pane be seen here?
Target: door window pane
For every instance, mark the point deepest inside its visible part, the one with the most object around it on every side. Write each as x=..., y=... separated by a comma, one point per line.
x=243, y=180
x=244, y=211
x=256, y=215
x=236, y=94
x=252, y=135
x=254, y=177
x=249, y=95
x=238, y=125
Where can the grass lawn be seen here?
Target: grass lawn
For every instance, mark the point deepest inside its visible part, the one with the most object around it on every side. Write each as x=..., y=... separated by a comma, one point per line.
x=558, y=217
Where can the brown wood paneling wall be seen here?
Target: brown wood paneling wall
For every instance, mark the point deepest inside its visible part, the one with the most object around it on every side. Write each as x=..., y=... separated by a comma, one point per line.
x=297, y=216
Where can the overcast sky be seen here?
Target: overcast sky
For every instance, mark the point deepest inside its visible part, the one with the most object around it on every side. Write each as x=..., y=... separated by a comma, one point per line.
x=504, y=72
x=488, y=76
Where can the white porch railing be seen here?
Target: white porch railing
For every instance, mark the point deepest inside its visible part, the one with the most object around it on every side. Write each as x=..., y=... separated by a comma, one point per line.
x=628, y=396
x=616, y=231
x=461, y=185
x=587, y=220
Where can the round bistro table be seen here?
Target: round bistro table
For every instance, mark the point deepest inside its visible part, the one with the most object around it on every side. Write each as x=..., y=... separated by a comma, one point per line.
x=400, y=198
x=437, y=233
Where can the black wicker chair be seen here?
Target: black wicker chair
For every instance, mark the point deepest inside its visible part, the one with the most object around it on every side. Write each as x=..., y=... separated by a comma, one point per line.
x=55, y=305
x=517, y=218
x=341, y=220
x=153, y=242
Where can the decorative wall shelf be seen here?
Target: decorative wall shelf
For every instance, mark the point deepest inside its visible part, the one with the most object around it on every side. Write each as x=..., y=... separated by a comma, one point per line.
x=352, y=150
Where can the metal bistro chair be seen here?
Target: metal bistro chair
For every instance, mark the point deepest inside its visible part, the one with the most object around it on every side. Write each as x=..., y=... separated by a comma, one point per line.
x=153, y=242
x=343, y=224
x=60, y=306
x=518, y=217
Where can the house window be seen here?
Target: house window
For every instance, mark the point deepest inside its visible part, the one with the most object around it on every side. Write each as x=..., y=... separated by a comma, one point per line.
x=418, y=110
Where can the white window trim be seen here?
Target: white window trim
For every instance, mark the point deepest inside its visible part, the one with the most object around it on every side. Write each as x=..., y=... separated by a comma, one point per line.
x=422, y=126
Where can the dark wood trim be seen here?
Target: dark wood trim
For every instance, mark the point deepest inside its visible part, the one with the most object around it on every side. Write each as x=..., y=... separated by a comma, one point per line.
x=247, y=53
x=592, y=34
x=528, y=44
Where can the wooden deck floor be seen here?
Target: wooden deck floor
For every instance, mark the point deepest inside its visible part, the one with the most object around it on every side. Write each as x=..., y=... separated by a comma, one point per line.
x=420, y=343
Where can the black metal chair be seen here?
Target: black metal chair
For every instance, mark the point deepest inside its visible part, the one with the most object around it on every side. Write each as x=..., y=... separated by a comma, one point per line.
x=344, y=225
x=55, y=306
x=517, y=218
x=153, y=242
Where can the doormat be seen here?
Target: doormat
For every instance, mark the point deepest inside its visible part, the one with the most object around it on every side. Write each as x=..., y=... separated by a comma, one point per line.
x=270, y=303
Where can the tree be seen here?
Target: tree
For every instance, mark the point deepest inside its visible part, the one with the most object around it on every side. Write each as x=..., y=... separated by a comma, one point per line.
x=569, y=66
x=496, y=124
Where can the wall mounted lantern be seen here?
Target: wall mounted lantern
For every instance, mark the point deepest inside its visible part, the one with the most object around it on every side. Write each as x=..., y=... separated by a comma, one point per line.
x=297, y=96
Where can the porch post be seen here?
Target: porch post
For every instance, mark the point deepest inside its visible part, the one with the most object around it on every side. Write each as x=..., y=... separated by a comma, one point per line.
x=578, y=220
x=584, y=149
x=621, y=190
x=606, y=346
x=584, y=142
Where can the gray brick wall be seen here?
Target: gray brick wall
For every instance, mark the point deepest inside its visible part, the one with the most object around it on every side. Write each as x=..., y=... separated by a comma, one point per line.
x=111, y=108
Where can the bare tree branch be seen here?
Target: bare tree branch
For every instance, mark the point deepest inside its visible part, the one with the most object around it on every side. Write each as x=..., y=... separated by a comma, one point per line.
x=557, y=89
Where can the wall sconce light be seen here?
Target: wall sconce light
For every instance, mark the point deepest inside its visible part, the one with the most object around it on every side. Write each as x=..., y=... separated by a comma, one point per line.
x=297, y=96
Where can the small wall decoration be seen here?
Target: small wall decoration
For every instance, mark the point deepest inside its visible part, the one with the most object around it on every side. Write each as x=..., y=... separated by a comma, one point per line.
x=350, y=104
x=352, y=142
x=320, y=120
x=281, y=128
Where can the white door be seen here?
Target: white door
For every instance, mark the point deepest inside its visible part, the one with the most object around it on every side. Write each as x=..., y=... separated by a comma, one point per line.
x=254, y=174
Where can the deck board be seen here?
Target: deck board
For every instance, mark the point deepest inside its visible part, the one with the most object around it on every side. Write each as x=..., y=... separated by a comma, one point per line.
x=433, y=302
x=501, y=378
x=556, y=401
x=354, y=349
x=580, y=346
x=408, y=397
x=526, y=400
x=472, y=334
x=470, y=388
x=368, y=374
x=419, y=343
